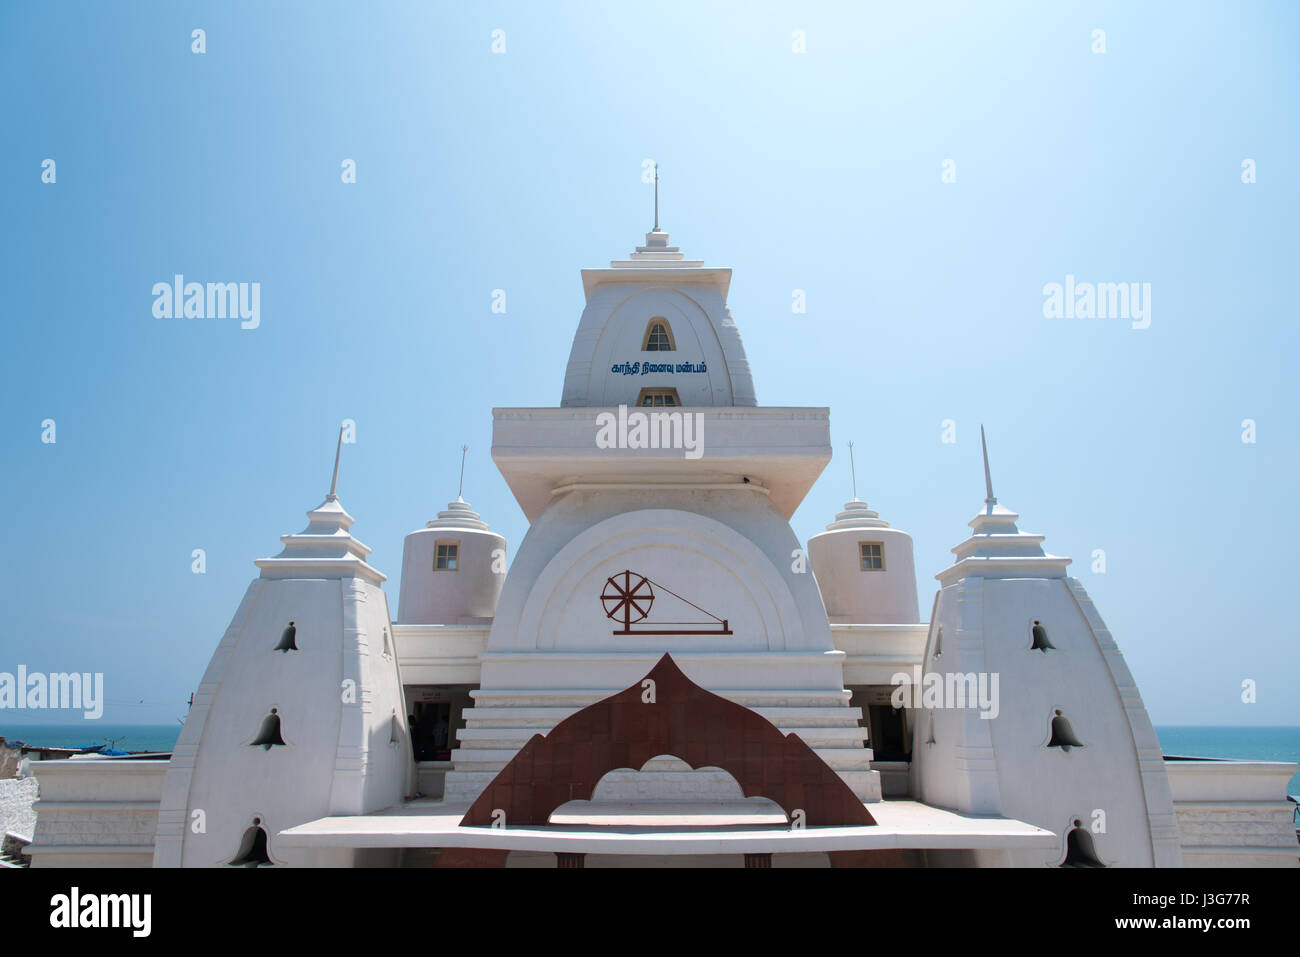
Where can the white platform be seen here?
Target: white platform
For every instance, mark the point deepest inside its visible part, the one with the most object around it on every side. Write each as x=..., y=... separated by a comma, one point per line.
x=671, y=829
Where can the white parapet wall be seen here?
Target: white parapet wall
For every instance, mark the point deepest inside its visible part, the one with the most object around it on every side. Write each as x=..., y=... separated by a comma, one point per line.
x=97, y=812
x=876, y=653
x=441, y=654
x=1233, y=813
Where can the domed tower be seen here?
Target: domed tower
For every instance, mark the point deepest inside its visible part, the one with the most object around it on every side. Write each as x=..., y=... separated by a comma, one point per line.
x=659, y=472
x=299, y=715
x=452, y=569
x=864, y=569
x=1028, y=710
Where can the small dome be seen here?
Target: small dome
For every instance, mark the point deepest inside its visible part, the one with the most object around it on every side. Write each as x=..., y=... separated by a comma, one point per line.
x=458, y=514
x=865, y=570
x=857, y=514
x=452, y=569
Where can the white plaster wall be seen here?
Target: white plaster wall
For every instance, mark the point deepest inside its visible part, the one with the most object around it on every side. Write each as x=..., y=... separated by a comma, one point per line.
x=371, y=772
x=552, y=648
x=441, y=654
x=727, y=551
x=1234, y=813
x=1003, y=765
x=958, y=769
x=612, y=329
x=876, y=653
x=338, y=758
x=96, y=813
x=431, y=597
x=851, y=595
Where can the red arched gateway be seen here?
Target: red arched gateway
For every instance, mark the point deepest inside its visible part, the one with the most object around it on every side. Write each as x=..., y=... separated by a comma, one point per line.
x=665, y=714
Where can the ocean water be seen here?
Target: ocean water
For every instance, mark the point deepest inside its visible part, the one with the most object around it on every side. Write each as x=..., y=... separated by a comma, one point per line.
x=1258, y=744
x=123, y=737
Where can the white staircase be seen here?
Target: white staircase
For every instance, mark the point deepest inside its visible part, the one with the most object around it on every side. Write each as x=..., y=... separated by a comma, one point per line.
x=501, y=722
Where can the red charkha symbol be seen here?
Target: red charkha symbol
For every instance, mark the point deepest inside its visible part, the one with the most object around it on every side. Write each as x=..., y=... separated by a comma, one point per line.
x=628, y=597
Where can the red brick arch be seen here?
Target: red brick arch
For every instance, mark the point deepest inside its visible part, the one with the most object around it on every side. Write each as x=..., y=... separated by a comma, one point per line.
x=684, y=720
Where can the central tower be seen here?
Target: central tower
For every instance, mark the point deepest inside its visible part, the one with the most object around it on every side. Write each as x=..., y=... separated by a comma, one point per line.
x=661, y=490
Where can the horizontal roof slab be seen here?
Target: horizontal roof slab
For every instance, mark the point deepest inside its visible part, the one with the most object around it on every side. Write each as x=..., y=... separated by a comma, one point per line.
x=781, y=450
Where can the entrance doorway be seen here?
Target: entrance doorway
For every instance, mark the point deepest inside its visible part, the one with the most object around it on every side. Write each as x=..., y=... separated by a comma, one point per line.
x=436, y=714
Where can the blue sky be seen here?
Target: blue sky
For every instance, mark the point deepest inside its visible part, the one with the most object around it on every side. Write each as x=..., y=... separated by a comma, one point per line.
x=818, y=171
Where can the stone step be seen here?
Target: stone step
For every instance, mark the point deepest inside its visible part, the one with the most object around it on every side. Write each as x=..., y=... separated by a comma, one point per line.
x=546, y=718
x=494, y=759
x=465, y=786
x=517, y=737
x=573, y=700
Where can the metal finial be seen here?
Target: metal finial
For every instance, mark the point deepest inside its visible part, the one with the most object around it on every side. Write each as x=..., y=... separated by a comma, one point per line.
x=853, y=470
x=656, y=229
x=461, y=487
x=334, y=482
x=988, y=481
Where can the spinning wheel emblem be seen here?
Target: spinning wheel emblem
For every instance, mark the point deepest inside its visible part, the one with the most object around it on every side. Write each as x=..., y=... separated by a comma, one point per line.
x=627, y=597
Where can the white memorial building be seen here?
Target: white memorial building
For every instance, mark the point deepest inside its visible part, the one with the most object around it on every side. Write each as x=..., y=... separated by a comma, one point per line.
x=665, y=674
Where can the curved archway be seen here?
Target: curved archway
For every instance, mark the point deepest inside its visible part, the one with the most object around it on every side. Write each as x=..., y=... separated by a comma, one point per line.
x=774, y=611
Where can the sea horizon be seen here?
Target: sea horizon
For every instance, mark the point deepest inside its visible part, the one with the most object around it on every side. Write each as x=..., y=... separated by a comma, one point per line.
x=1241, y=742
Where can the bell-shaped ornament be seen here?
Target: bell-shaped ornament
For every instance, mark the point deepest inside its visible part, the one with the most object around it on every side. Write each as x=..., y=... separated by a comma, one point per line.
x=253, y=848
x=1041, y=643
x=1079, y=849
x=1063, y=735
x=269, y=735
x=288, y=639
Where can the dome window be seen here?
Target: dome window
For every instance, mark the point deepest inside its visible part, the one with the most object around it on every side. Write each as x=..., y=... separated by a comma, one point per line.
x=446, y=556
x=871, y=556
x=658, y=336
x=658, y=398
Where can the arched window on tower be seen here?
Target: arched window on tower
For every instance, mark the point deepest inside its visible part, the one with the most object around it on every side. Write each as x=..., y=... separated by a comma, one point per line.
x=658, y=336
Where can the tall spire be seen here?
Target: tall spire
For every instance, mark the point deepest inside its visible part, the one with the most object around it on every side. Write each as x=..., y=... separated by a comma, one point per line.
x=656, y=229
x=325, y=548
x=853, y=470
x=334, y=482
x=997, y=548
x=460, y=489
x=988, y=481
